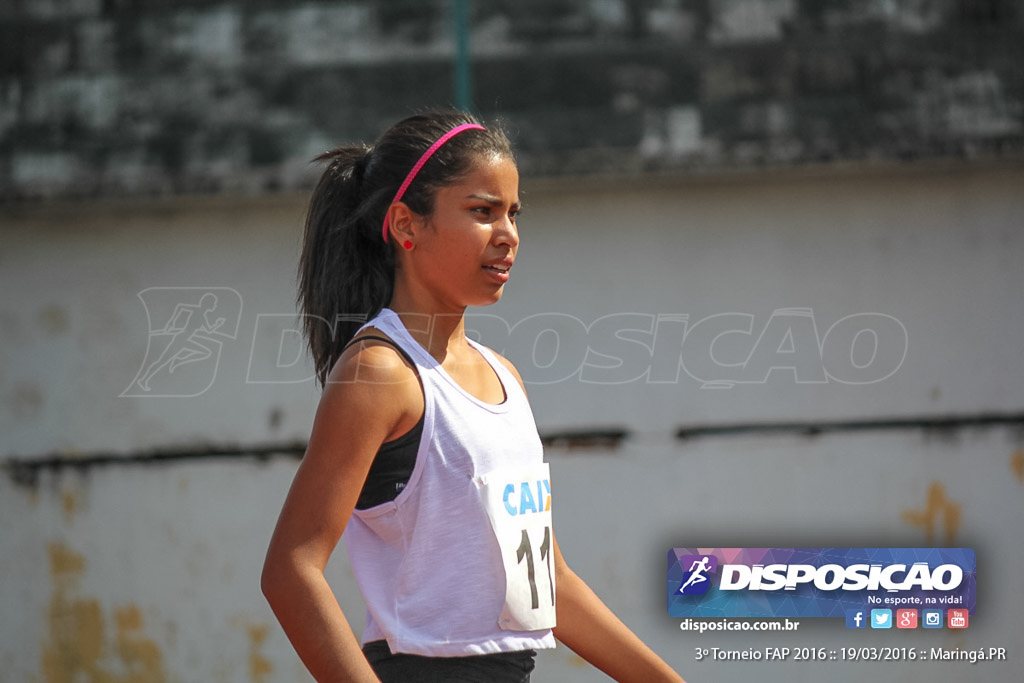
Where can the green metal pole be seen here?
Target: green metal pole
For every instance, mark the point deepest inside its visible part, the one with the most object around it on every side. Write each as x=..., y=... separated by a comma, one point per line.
x=463, y=79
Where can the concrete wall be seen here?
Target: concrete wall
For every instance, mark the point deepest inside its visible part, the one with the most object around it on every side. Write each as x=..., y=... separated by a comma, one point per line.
x=136, y=517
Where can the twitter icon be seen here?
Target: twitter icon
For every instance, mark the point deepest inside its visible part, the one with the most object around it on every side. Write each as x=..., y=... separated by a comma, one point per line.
x=881, y=618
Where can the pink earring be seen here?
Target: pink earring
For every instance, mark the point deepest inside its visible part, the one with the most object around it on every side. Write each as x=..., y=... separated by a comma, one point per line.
x=407, y=244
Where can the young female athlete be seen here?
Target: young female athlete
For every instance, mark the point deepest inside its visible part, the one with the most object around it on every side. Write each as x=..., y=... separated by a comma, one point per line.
x=424, y=451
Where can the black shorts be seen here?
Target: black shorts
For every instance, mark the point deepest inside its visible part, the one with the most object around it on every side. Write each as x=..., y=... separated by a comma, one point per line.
x=504, y=667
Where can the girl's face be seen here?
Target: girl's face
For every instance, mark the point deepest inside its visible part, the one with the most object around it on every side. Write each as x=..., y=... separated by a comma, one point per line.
x=463, y=251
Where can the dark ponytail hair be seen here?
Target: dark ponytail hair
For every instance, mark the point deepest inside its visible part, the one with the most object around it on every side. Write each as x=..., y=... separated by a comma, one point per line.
x=347, y=270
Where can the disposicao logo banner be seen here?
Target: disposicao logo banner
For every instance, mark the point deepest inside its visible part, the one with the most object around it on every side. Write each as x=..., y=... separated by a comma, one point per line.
x=817, y=582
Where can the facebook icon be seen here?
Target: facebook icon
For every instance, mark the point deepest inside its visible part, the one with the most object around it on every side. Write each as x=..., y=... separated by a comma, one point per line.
x=856, y=618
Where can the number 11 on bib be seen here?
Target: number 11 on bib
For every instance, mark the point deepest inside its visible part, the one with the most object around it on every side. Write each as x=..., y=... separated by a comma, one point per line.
x=518, y=504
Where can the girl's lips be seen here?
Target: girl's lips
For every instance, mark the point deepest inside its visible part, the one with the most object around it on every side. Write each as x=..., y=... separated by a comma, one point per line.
x=498, y=270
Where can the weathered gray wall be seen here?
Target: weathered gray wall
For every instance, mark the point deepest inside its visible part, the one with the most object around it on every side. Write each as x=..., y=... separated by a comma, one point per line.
x=135, y=522
x=142, y=97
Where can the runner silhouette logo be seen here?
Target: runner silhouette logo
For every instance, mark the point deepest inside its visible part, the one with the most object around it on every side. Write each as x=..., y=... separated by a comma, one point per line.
x=696, y=581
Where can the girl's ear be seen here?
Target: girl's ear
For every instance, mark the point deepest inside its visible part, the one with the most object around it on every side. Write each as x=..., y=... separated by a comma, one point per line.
x=402, y=222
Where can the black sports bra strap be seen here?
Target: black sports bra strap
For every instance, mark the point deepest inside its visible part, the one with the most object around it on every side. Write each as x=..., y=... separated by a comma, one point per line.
x=393, y=465
x=390, y=342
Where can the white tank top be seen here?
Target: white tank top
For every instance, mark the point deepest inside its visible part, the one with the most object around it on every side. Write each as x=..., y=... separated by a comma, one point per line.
x=430, y=564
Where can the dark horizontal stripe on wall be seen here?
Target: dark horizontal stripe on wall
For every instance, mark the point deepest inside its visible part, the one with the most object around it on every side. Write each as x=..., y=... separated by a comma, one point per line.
x=585, y=439
x=814, y=428
x=26, y=470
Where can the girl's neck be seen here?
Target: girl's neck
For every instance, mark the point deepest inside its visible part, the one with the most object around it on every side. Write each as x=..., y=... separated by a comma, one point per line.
x=438, y=333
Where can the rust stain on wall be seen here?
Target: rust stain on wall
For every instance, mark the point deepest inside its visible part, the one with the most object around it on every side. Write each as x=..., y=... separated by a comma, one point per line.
x=259, y=666
x=68, y=505
x=576, y=661
x=938, y=510
x=75, y=624
x=1017, y=465
x=142, y=659
x=77, y=648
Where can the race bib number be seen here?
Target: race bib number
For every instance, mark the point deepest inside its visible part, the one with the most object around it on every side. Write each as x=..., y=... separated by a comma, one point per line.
x=518, y=503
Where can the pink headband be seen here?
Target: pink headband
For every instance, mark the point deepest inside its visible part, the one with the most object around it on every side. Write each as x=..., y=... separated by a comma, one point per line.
x=423, y=159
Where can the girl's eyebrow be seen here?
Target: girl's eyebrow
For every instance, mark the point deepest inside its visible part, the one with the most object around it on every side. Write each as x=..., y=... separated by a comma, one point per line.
x=492, y=199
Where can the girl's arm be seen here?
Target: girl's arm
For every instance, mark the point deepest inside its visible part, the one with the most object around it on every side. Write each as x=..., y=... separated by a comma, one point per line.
x=590, y=629
x=371, y=397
